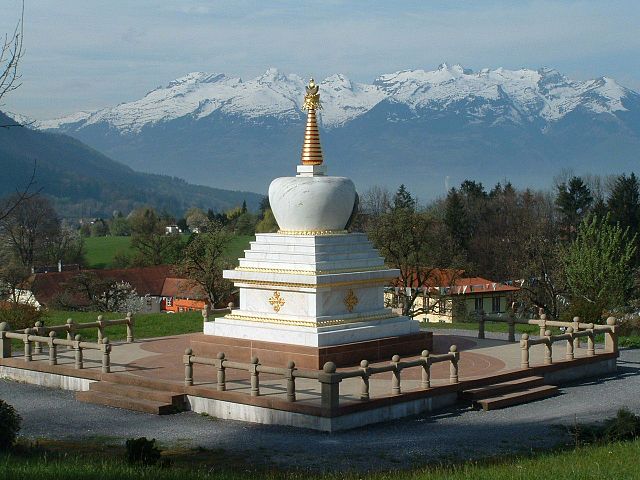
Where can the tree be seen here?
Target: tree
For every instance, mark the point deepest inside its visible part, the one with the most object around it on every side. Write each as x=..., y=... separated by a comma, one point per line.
x=574, y=201
x=417, y=244
x=268, y=223
x=456, y=219
x=403, y=199
x=598, y=267
x=152, y=245
x=624, y=203
x=11, y=52
x=245, y=224
x=203, y=261
x=119, y=226
x=31, y=224
x=196, y=219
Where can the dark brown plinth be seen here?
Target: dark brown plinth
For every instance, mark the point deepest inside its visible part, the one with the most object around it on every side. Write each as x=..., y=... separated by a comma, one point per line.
x=278, y=354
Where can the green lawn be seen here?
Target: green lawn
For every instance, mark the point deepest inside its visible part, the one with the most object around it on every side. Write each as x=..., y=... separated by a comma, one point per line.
x=101, y=250
x=147, y=325
x=617, y=460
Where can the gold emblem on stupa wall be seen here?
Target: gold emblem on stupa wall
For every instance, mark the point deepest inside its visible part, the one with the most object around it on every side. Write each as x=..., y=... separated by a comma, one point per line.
x=276, y=301
x=350, y=300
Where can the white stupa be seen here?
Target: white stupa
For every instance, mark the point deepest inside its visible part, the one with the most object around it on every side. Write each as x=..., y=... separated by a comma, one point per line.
x=312, y=284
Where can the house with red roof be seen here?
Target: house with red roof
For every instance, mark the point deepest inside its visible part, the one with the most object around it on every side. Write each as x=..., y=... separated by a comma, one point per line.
x=447, y=295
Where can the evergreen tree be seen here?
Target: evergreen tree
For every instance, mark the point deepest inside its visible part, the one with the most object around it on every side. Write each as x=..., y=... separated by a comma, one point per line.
x=456, y=219
x=624, y=203
x=244, y=206
x=403, y=199
x=574, y=201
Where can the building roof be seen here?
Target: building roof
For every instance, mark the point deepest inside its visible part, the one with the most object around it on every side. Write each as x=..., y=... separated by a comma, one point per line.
x=452, y=282
x=145, y=280
x=182, y=288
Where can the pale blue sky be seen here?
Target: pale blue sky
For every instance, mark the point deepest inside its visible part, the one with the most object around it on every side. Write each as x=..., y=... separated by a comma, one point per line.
x=88, y=54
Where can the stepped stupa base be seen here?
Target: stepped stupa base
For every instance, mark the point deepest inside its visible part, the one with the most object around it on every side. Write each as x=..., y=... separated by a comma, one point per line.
x=344, y=355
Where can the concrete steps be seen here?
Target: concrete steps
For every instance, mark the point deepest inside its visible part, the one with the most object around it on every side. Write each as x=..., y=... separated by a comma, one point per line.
x=133, y=397
x=506, y=394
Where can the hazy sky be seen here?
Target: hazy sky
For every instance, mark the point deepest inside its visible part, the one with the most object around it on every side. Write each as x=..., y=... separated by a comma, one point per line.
x=88, y=54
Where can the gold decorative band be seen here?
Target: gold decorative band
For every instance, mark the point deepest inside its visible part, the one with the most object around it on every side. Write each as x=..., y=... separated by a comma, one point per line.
x=261, y=283
x=307, y=323
x=312, y=232
x=310, y=272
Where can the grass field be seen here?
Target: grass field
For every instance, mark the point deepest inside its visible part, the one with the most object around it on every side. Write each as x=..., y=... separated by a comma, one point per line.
x=101, y=250
x=61, y=461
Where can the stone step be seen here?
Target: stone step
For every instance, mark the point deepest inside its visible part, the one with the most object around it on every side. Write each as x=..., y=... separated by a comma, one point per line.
x=138, y=405
x=126, y=379
x=501, y=388
x=518, y=397
x=135, y=392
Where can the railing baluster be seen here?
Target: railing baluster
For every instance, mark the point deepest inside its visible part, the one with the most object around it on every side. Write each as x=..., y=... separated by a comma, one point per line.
x=395, y=377
x=255, y=379
x=570, y=355
x=27, y=346
x=576, y=328
x=78, y=352
x=453, y=368
x=524, y=352
x=548, y=350
x=106, y=352
x=591, y=348
x=222, y=384
x=53, y=349
x=425, y=381
x=291, y=381
x=188, y=367
x=129, y=324
x=37, y=346
x=364, y=389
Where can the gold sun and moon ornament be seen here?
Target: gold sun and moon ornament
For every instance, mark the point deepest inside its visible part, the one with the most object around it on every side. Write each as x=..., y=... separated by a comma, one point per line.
x=311, y=149
x=276, y=301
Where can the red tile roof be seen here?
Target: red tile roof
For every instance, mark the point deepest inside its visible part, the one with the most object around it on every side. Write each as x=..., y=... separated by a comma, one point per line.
x=454, y=283
x=182, y=288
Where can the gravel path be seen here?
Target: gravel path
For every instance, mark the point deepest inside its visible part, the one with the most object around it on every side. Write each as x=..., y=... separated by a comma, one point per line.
x=456, y=433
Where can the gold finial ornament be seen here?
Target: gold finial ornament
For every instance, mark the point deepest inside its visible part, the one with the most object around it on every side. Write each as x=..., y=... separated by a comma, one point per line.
x=311, y=149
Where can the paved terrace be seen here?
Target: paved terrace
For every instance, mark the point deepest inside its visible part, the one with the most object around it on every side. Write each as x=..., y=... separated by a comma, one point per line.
x=161, y=359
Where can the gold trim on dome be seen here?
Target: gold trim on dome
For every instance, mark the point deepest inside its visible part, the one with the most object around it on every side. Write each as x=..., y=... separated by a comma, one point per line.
x=308, y=272
x=276, y=301
x=265, y=283
x=307, y=323
x=350, y=300
x=312, y=232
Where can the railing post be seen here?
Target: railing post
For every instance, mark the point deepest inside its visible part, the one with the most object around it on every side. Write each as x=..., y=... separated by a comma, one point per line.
x=100, y=329
x=611, y=338
x=591, y=347
x=548, y=348
x=576, y=328
x=453, y=368
x=5, y=343
x=106, y=355
x=188, y=367
x=205, y=314
x=524, y=351
x=255, y=379
x=511, y=321
x=27, y=345
x=39, y=329
x=543, y=324
x=364, y=390
x=78, y=352
x=570, y=353
x=70, y=332
x=481, y=320
x=130, y=323
x=222, y=384
x=330, y=389
x=291, y=381
x=53, y=349
x=425, y=381
x=395, y=377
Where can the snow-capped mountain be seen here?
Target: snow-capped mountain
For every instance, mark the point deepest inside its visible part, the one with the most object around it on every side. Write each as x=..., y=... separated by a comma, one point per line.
x=434, y=118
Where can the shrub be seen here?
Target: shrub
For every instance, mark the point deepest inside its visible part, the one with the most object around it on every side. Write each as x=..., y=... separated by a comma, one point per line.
x=141, y=450
x=624, y=426
x=9, y=425
x=19, y=315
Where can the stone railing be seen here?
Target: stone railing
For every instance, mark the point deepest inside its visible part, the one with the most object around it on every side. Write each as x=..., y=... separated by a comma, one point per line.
x=71, y=327
x=570, y=336
x=30, y=339
x=543, y=323
x=329, y=378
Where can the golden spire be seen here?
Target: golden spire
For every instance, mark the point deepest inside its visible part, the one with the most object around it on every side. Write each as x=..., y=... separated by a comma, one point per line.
x=311, y=149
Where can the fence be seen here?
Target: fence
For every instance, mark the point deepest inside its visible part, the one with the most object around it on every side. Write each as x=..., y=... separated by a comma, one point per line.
x=28, y=338
x=570, y=336
x=329, y=378
x=543, y=324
